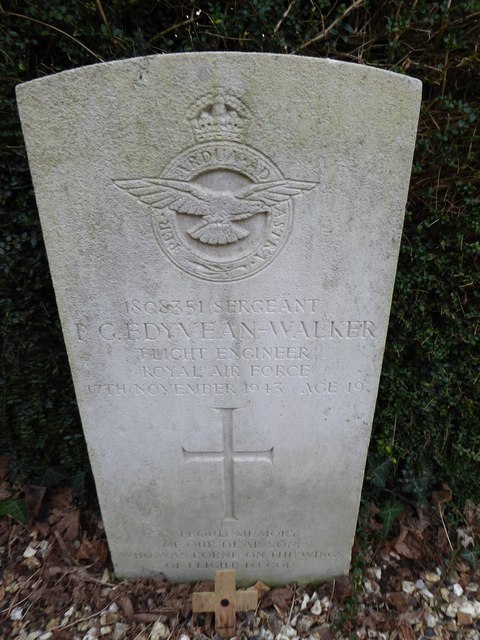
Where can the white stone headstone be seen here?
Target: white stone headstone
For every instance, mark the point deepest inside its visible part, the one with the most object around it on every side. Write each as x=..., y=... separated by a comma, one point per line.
x=223, y=231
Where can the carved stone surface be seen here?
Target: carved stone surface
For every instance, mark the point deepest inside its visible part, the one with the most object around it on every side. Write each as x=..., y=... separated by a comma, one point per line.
x=222, y=232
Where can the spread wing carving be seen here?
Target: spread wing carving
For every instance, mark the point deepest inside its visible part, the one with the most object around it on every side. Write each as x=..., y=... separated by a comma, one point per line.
x=272, y=193
x=219, y=209
x=160, y=193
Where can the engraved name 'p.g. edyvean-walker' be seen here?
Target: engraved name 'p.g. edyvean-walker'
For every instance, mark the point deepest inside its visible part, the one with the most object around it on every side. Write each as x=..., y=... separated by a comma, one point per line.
x=222, y=232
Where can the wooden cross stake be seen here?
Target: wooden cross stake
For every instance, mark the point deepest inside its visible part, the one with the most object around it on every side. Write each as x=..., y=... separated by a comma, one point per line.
x=225, y=602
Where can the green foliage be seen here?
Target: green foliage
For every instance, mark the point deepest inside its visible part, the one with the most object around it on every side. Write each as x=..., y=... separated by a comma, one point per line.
x=389, y=514
x=427, y=423
x=378, y=471
x=471, y=556
x=16, y=509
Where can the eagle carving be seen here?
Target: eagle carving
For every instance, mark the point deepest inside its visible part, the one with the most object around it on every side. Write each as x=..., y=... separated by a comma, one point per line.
x=220, y=211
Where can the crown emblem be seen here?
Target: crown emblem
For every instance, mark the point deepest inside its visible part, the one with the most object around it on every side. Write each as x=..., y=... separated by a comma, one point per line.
x=221, y=210
x=218, y=116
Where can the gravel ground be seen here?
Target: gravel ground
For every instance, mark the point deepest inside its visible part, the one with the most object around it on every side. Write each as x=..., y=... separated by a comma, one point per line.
x=57, y=582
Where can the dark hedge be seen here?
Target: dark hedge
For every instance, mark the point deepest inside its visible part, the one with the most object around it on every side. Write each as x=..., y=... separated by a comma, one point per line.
x=427, y=424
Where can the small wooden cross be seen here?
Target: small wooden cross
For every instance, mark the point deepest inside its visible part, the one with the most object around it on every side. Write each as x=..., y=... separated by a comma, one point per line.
x=225, y=602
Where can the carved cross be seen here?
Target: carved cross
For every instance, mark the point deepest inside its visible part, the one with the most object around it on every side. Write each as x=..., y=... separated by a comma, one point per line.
x=225, y=602
x=228, y=456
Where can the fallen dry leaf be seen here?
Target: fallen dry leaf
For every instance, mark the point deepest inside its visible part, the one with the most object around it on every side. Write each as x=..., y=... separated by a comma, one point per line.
x=261, y=588
x=179, y=600
x=93, y=551
x=146, y=617
x=443, y=496
x=69, y=525
x=274, y=623
x=406, y=632
x=464, y=537
x=37, y=593
x=461, y=566
x=127, y=607
x=410, y=617
x=326, y=633
x=62, y=585
x=375, y=618
x=408, y=545
x=472, y=514
x=413, y=540
x=343, y=589
x=205, y=585
x=61, y=498
x=397, y=600
x=281, y=598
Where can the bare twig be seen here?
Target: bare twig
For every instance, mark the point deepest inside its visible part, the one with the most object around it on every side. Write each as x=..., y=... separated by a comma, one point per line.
x=444, y=527
x=103, y=16
x=445, y=71
x=394, y=431
x=50, y=26
x=237, y=39
x=334, y=585
x=13, y=530
x=15, y=602
x=83, y=576
x=293, y=602
x=285, y=14
x=332, y=25
x=474, y=137
x=72, y=624
x=437, y=126
x=192, y=18
x=64, y=548
x=7, y=57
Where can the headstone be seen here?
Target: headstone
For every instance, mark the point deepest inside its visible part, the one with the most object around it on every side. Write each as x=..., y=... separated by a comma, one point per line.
x=223, y=231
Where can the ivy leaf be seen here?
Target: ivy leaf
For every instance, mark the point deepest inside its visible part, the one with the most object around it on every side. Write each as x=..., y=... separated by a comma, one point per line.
x=378, y=474
x=471, y=556
x=388, y=514
x=15, y=509
x=52, y=477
